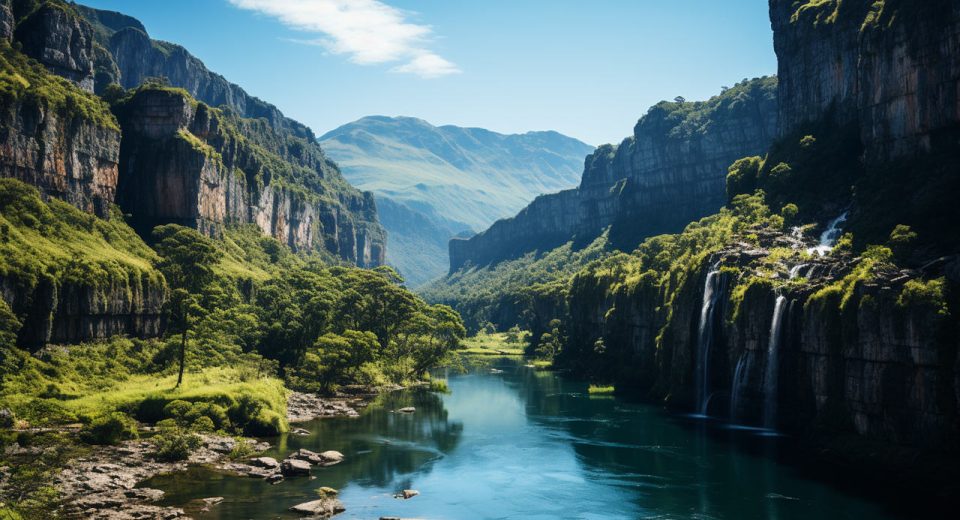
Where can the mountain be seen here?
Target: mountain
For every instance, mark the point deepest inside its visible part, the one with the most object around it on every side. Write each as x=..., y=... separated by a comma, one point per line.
x=820, y=300
x=157, y=153
x=444, y=180
x=671, y=171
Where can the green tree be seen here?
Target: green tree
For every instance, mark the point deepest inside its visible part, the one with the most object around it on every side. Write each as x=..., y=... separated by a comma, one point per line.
x=187, y=259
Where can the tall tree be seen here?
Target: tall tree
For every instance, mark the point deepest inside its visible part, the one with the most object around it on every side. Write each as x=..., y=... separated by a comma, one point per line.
x=187, y=259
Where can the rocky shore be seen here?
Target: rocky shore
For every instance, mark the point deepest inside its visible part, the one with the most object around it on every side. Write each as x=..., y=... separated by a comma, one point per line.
x=101, y=485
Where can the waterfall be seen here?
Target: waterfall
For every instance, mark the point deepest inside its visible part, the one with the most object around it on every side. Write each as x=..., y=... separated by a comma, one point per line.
x=829, y=237
x=739, y=383
x=795, y=270
x=705, y=337
x=773, y=363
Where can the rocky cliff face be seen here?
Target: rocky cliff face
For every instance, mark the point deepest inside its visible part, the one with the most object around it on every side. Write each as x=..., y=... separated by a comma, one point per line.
x=891, y=66
x=67, y=157
x=63, y=42
x=669, y=173
x=136, y=57
x=72, y=312
x=184, y=162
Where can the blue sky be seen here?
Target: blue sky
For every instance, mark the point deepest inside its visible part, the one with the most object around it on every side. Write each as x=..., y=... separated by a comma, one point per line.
x=588, y=69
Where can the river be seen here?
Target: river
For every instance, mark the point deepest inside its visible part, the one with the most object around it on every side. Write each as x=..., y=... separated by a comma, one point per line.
x=512, y=442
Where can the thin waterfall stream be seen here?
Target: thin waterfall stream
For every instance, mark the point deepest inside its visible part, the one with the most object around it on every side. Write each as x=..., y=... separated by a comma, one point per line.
x=711, y=293
x=773, y=363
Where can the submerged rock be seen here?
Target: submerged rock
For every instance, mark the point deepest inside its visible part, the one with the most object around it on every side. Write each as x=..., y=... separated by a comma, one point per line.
x=331, y=457
x=407, y=409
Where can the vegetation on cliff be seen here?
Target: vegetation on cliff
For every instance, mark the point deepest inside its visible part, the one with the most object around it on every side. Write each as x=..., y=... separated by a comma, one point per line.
x=24, y=80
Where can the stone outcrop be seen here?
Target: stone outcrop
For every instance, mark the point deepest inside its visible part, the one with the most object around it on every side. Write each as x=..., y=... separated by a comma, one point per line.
x=185, y=163
x=62, y=41
x=65, y=156
x=73, y=312
x=670, y=172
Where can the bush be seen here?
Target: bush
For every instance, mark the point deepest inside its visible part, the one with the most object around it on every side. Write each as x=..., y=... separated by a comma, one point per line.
x=202, y=424
x=173, y=444
x=109, y=429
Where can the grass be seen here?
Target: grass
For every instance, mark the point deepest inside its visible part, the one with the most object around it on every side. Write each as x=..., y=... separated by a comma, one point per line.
x=55, y=240
x=601, y=390
x=495, y=344
x=440, y=386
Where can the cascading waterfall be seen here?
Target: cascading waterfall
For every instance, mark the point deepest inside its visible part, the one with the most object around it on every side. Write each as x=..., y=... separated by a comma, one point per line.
x=829, y=237
x=795, y=270
x=773, y=364
x=711, y=293
x=740, y=382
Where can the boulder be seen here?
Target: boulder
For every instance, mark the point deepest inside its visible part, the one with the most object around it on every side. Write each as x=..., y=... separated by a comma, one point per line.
x=276, y=478
x=407, y=409
x=331, y=457
x=407, y=494
x=265, y=462
x=323, y=507
x=310, y=456
x=295, y=468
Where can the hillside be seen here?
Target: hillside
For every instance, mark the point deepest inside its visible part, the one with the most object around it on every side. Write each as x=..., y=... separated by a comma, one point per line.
x=445, y=180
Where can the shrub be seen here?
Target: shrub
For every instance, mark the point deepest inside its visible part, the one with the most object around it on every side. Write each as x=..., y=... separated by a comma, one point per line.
x=242, y=449
x=109, y=429
x=202, y=424
x=920, y=294
x=173, y=444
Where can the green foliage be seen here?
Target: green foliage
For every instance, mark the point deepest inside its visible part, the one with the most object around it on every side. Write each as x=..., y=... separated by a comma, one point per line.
x=600, y=389
x=55, y=243
x=112, y=428
x=174, y=444
x=789, y=213
x=24, y=80
x=930, y=294
x=742, y=176
x=902, y=240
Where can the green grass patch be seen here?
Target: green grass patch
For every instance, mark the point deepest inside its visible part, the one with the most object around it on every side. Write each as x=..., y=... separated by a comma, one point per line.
x=492, y=344
x=601, y=390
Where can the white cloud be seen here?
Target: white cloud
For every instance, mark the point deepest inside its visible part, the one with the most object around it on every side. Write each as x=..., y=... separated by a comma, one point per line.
x=367, y=31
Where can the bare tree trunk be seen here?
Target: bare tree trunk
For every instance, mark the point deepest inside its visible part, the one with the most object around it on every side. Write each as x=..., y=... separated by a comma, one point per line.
x=183, y=356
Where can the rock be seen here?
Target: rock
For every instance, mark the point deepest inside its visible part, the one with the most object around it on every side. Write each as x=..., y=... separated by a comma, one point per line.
x=295, y=468
x=300, y=431
x=407, y=494
x=7, y=418
x=321, y=507
x=309, y=456
x=275, y=478
x=305, y=407
x=212, y=500
x=265, y=462
x=327, y=491
x=331, y=457
x=407, y=409
x=60, y=40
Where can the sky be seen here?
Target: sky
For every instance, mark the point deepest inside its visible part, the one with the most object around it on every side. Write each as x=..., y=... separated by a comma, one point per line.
x=587, y=69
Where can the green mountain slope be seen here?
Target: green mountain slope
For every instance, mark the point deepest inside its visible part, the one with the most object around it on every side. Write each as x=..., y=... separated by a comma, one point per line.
x=456, y=178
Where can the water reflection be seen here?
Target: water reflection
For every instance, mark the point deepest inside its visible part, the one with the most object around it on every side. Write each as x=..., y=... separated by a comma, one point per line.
x=527, y=444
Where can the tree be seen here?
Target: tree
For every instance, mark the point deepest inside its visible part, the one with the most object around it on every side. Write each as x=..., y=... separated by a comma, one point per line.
x=443, y=331
x=187, y=259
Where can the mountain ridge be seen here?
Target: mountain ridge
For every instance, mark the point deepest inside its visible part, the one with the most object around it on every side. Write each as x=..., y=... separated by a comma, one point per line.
x=461, y=178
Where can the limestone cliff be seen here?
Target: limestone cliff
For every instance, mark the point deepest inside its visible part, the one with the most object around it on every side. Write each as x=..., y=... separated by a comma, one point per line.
x=670, y=172
x=182, y=161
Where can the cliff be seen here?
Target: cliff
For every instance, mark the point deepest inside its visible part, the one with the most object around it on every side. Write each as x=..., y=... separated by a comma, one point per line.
x=57, y=137
x=883, y=75
x=184, y=162
x=71, y=276
x=671, y=171
x=133, y=57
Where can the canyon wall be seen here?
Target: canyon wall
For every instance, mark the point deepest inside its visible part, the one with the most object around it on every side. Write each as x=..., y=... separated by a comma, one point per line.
x=670, y=172
x=184, y=162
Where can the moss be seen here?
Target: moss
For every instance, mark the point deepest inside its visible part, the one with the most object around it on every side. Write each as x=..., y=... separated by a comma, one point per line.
x=930, y=294
x=817, y=12
x=24, y=80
